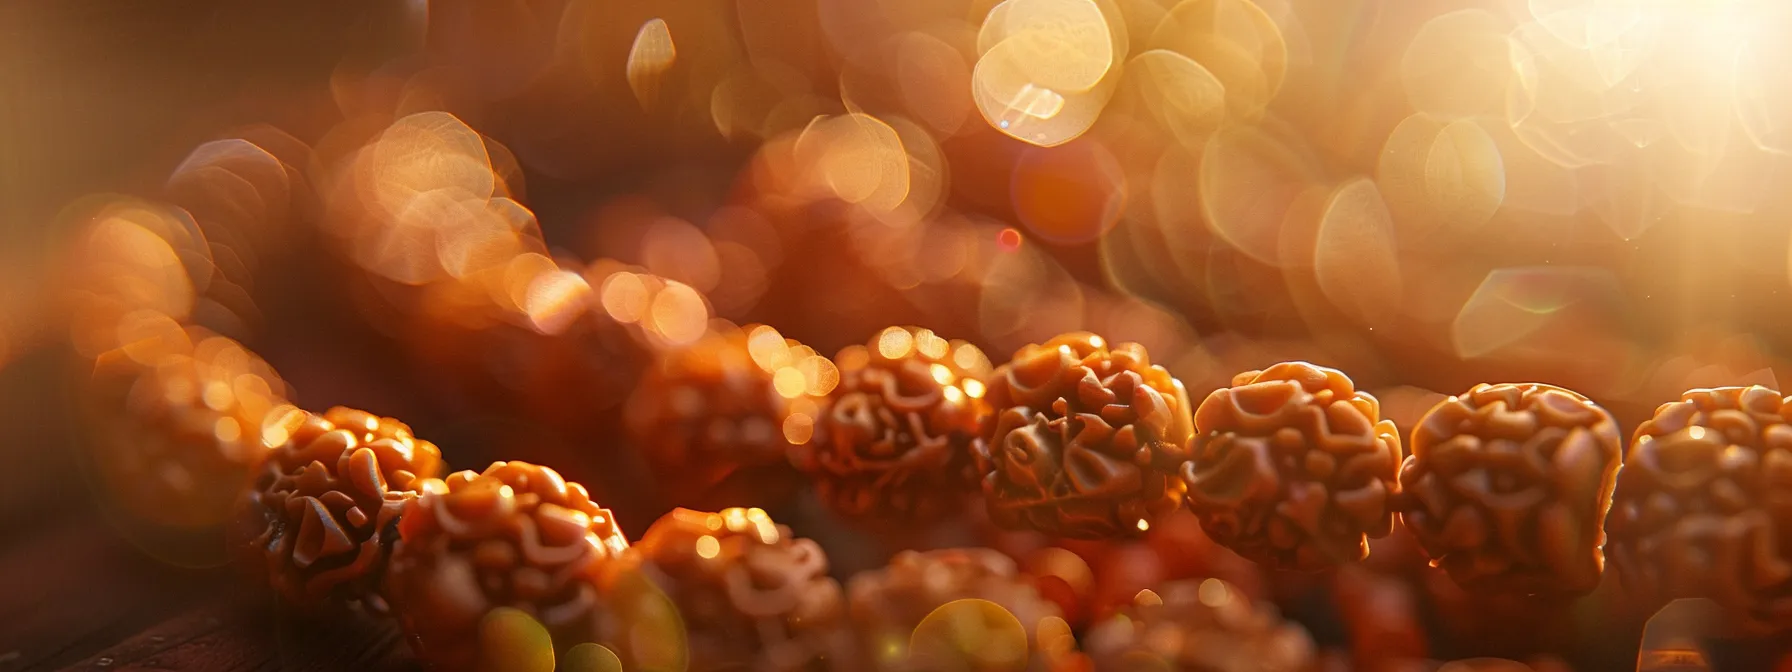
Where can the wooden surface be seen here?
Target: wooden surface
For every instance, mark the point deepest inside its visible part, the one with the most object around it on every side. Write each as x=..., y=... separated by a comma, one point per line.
x=74, y=596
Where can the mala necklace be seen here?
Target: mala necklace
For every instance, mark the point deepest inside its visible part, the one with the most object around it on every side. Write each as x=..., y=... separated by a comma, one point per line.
x=1507, y=487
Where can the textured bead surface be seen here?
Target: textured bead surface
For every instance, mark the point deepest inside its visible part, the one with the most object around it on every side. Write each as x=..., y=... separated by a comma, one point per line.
x=325, y=508
x=1703, y=506
x=888, y=604
x=176, y=433
x=1508, y=487
x=750, y=595
x=516, y=535
x=1293, y=468
x=1085, y=440
x=546, y=350
x=714, y=421
x=1199, y=626
x=895, y=443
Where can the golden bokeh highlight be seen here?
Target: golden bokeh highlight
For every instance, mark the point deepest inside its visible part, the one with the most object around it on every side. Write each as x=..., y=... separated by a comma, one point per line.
x=553, y=299
x=648, y=625
x=419, y=205
x=1237, y=42
x=970, y=634
x=626, y=297
x=1213, y=593
x=423, y=153
x=928, y=69
x=651, y=55
x=708, y=548
x=678, y=250
x=132, y=259
x=856, y=158
x=740, y=520
x=895, y=343
x=678, y=314
x=1356, y=261
x=1512, y=305
x=1182, y=95
x=670, y=313
x=590, y=657
x=1064, y=46
x=1056, y=640
x=1248, y=179
x=789, y=382
x=1457, y=64
x=1441, y=173
x=1011, y=102
x=510, y=640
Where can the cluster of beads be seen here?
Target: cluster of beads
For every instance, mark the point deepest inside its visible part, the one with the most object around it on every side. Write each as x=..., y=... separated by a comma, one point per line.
x=1507, y=487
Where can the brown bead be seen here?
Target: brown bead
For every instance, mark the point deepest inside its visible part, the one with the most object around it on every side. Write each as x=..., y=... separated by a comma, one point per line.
x=557, y=360
x=1701, y=507
x=324, y=512
x=751, y=596
x=1199, y=626
x=714, y=420
x=1508, y=485
x=887, y=605
x=516, y=535
x=1085, y=441
x=1292, y=467
x=176, y=429
x=895, y=443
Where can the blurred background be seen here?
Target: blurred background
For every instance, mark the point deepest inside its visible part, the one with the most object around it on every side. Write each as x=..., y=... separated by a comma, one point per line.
x=446, y=211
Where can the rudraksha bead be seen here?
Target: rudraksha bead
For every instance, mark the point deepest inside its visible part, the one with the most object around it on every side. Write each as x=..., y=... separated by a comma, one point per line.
x=1293, y=468
x=1508, y=485
x=516, y=535
x=1199, y=626
x=887, y=604
x=714, y=420
x=1085, y=440
x=324, y=512
x=177, y=433
x=750, y=595
x=895, y=443
x=548, y=349
x=1703, y=506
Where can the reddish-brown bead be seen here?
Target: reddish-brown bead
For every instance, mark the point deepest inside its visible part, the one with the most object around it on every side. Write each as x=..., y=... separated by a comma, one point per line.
x=748, y=593
x=713, y=424
x=1085, y=440
x=895, y=442
x=888, y=604
x=321, y=519
x=1508, y=486
x=176, y=427
x=1702, y=509
x=1293, y=467
x=1206, y=626
x=516, y=535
